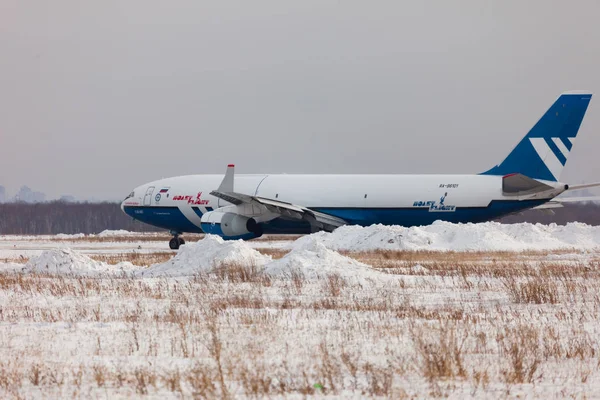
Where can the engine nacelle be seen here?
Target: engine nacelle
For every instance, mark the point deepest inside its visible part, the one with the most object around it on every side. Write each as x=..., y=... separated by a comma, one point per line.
x=230, y=226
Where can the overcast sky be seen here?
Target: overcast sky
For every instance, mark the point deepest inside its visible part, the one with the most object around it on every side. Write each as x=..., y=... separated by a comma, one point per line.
x=99, y=97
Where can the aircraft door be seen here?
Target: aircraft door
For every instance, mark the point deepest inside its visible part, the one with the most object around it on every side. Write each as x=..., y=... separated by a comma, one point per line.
x=148, y=196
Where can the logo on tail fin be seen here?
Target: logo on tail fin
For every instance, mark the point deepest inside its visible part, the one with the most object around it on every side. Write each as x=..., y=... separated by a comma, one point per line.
x=553, y=153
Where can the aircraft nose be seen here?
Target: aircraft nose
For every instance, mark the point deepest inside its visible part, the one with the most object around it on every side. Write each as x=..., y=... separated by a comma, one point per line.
x=132, y=194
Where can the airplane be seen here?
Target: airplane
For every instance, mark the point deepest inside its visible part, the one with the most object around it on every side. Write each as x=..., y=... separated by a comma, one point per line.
x=246, y=206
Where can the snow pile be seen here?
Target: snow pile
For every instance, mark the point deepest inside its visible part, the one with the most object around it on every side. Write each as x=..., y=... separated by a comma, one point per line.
x=204, y=255
x=441, y=236
x=311, y=259
x=68, y=262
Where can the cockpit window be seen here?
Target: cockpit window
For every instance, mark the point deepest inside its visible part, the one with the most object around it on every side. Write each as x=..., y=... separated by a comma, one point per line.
x=130, y=195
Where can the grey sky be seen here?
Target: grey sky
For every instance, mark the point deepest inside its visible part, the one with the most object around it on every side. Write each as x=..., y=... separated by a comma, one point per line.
x=99, y=97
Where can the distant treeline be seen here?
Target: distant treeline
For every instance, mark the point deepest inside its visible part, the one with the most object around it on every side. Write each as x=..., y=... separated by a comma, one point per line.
x=60, y=217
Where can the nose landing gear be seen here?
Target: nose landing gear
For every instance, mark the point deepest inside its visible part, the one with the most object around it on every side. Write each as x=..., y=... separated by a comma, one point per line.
x=176, y=241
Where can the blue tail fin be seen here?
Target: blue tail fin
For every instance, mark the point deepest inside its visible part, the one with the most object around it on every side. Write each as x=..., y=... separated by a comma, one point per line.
x=543, y=152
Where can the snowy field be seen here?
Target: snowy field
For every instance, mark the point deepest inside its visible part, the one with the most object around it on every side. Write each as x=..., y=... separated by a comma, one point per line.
x=476, y=310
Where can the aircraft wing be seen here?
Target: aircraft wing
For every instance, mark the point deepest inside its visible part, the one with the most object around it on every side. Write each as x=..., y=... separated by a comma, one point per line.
x=318, y=220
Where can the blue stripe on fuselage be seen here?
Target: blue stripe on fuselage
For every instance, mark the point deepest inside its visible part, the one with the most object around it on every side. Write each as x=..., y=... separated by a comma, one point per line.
x=171, y=218
x=199, y=213
x=422, y=216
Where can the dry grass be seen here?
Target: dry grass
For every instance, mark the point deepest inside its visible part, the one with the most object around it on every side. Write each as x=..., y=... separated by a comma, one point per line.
x=16, y=260
x=238, y=273
x=440, y=351
x=454, y=256
x=520, y=346
x=274, y=253
x=537, y=290
x=135, y=258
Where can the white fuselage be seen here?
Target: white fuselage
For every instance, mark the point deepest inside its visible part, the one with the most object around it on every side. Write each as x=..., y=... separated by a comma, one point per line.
x=358, y=199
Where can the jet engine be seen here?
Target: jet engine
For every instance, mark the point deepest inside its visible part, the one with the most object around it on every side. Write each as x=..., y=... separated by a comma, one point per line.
x=230, y=226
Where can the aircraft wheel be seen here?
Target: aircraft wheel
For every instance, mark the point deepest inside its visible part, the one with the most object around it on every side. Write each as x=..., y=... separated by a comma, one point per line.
x=181, y=241
x=174, y=243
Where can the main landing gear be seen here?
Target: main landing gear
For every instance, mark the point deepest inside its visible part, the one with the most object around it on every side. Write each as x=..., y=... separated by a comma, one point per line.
x=176, y=241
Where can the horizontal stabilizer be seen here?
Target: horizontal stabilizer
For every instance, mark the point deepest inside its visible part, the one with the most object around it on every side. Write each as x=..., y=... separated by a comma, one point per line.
x=519, y=184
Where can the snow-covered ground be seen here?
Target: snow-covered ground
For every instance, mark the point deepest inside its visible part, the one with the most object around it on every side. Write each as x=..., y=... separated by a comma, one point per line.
x=483, y=310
